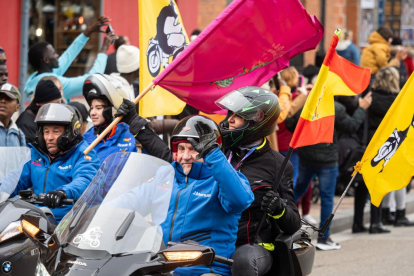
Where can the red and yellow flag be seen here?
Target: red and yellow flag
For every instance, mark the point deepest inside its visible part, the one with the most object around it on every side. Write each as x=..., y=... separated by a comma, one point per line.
x=337, y=76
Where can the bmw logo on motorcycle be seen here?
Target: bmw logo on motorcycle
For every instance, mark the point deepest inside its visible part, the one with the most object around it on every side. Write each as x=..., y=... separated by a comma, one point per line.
x=7, y=267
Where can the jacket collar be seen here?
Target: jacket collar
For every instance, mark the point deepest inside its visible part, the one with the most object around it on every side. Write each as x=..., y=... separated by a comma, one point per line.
x=198, y=171
x=12, y=125
x=120, y=129
x=66, y=155
x=240, y=152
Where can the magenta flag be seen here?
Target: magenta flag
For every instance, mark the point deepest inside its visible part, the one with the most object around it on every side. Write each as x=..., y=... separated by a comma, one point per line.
x=246, y=45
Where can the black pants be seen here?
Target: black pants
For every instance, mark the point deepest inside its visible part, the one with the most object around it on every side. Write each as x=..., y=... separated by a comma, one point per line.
x=361, y=194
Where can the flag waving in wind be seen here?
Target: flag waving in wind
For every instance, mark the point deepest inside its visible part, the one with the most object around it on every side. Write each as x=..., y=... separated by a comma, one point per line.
x=246, y=45
x=388, y=161
x=337, y=76
x=161, y=39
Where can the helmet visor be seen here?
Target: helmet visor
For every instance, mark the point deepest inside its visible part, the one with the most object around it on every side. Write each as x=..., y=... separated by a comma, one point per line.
x=54, y=114
x=239, y=104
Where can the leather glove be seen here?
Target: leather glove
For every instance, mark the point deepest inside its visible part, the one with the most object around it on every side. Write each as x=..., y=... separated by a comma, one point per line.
x=130, y=116
x=207, y=140
x=53, y=198
x=273, y=204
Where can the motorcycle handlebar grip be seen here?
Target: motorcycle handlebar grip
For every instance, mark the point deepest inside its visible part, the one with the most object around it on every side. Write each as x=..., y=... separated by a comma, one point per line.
x=67, y=201
x=223, y=260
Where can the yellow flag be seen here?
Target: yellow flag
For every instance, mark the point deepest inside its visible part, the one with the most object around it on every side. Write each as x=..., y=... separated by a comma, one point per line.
x=388, y=162
x=161, y=38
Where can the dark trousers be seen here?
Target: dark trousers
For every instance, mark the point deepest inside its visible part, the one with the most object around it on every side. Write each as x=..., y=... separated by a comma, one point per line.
x=251, y=260
x=361, y=195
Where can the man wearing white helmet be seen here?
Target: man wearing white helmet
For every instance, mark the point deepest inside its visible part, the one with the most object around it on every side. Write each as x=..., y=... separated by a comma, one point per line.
x=104, y=95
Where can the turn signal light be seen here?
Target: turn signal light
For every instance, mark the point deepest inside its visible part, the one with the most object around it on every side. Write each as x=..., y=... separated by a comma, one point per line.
x=180, y=256
x=30, y=228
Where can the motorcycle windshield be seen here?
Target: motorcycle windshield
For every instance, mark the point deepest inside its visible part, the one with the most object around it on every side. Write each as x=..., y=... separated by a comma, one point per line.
x=11, y=167
x=122, y=208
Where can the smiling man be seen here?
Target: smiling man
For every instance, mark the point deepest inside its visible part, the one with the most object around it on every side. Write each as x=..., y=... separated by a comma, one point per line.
x=58, y=167
x=10, y=134
x=208, y=195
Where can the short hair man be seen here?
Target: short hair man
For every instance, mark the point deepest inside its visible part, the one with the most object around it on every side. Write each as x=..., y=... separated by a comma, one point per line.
x=10, y=134
x=4, y=74
x=46, y=62
x=2, y=56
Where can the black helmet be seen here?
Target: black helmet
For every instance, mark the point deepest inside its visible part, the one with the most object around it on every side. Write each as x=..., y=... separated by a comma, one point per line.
x=260, y=109
x=186, y=129
x=59, y=114
x=107, y=88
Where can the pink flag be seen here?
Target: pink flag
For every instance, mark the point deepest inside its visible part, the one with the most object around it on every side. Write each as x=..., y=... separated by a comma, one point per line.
x=246, y=45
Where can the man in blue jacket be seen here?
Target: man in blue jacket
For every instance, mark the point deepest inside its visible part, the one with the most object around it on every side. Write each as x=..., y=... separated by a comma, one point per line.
x=46, y=62
x=58, y=167
x=208, y=195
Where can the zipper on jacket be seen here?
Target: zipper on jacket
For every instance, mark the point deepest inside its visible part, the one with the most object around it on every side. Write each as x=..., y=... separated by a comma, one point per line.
x=44, y=184
x=176, y=206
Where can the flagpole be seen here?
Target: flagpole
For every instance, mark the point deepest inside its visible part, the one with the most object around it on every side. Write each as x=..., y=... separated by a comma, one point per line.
x=331, y=216
x=275, y=187
x=117, y=120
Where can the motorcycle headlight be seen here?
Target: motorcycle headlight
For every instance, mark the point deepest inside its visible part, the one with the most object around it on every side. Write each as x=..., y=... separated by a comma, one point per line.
x=41, y=270
x=12, y=230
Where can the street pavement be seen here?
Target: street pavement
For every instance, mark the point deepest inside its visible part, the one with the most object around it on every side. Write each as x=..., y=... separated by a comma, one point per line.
x=365, y=254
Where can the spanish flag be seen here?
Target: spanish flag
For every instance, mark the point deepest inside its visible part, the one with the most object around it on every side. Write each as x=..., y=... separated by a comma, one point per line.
x=388, y=161
x=337, y=76
x=162, y=38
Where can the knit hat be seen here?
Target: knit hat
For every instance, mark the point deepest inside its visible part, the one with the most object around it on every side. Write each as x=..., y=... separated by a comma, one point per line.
x=11, y=91
x=46, y=91
x=127, y=59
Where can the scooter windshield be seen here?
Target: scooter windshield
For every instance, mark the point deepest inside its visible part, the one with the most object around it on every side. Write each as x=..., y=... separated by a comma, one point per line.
x=12, y=162
x=122, y=208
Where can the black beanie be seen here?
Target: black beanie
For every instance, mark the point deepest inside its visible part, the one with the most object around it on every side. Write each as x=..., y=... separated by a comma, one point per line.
x=46, y=91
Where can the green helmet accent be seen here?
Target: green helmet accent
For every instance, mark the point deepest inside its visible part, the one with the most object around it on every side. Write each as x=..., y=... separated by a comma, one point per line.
x=260, y=109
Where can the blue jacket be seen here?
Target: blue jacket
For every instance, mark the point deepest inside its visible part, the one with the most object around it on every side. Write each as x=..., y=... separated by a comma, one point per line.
x=349, y=51
x=209, y=202
x=122, y=140
x=71, y=173
x=71, y=86
x=11, y=137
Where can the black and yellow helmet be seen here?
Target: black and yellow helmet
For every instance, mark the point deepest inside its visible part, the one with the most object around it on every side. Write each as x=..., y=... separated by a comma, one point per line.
x=260, y=109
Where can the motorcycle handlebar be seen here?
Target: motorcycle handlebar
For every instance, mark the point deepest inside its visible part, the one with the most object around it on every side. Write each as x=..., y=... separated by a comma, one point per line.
x=62, y=202
x=223, y=260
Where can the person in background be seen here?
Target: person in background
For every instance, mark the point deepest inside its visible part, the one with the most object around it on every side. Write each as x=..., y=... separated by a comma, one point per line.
x=378, y=53
x=298, y=98
x=322, y=160
x=4, y=74
x=347, y=49
x=403, y=69
x=104, y=95
x=46, y=62
x=385, y=89
x=111, y=63
x=10, y=134
x=127, y=63
x=3, y=58
x=84, y=113
x=46, y=92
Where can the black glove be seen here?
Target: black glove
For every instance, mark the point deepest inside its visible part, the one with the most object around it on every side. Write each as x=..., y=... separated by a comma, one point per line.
x=53, y=198
x=208, y=140
x=130, y=116
x=273, y=204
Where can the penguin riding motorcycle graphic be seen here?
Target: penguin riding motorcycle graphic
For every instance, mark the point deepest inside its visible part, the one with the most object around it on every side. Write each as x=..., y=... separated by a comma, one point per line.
x=170, y=40
x=390, y=147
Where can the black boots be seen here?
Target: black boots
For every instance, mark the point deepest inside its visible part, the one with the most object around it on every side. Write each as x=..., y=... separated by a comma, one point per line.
x=388, y=218
x=401, y=220
x=358, y=228
x=378, y=229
